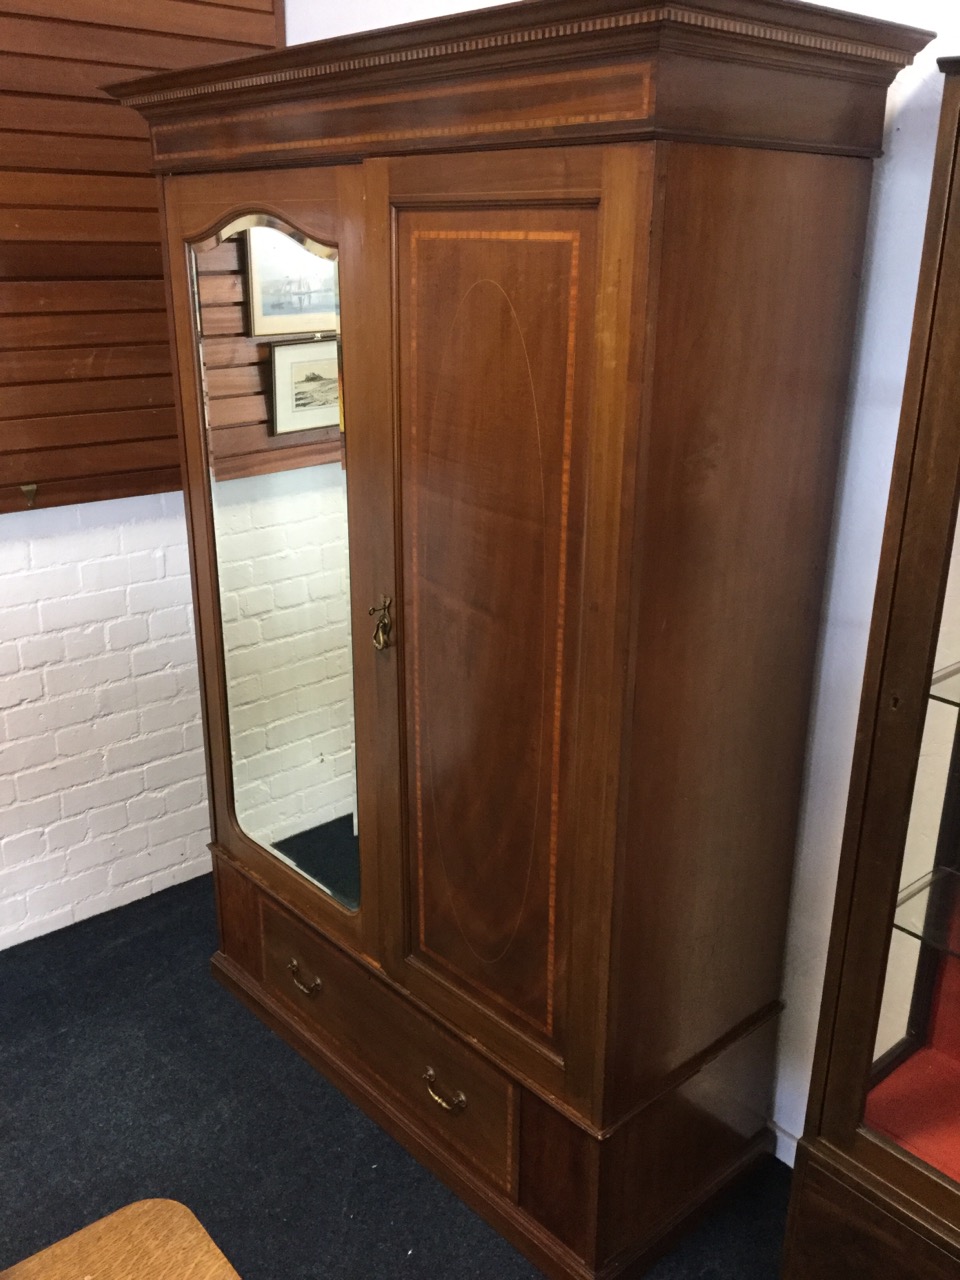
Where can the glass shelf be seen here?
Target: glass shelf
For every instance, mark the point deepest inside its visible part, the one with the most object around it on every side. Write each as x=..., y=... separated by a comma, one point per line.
x=927, y=910
x=945, y=685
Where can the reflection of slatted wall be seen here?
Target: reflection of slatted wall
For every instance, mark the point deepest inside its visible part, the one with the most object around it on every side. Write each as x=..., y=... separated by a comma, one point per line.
x=239, y=381
x=85, y=390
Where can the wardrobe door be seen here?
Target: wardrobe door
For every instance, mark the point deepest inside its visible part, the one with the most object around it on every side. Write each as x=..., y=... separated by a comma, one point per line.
x=284, y=508
x=513, y=403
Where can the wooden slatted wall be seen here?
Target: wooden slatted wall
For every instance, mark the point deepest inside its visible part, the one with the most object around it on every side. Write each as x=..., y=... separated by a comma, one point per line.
x=85, y=388
x=239, y=380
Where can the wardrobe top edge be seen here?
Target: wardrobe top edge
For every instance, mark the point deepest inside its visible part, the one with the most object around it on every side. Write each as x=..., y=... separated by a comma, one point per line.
x=529, y=31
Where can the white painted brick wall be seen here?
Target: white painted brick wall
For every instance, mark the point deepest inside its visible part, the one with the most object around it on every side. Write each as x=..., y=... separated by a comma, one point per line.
x=282, y=551
x=102, y=782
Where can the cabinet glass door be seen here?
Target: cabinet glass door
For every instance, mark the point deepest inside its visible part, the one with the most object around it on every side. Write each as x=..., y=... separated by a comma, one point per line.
x=267, y=312
x=914, y=1095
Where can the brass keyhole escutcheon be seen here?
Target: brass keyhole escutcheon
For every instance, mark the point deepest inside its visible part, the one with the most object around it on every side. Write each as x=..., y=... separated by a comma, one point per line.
x=381, y=632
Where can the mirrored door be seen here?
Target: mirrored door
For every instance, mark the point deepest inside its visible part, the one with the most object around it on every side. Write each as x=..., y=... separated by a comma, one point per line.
x=267, y=310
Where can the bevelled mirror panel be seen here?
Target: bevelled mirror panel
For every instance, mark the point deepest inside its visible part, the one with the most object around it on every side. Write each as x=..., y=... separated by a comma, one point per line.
x=268, y=315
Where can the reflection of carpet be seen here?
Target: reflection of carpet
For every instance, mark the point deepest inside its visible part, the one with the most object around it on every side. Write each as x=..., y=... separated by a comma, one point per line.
x=329, y=854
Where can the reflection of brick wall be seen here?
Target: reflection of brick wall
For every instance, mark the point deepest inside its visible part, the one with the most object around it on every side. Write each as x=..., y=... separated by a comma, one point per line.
x=102, y=782
x=282, y=549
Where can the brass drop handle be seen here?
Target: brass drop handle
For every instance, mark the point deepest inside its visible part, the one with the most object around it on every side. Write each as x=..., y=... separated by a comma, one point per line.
x=381, y=633
x=457, y=1102
x=311, y=990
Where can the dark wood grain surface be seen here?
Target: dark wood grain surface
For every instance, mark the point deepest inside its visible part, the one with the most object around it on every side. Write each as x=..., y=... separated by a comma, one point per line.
x=574, y=71
x=735, y=506
x=576, y=441
x=491, y=315
x=465, y=1102
x=843, y=1225
x=83, y=327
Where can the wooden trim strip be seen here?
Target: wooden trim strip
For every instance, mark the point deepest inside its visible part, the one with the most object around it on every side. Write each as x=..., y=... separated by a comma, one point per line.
x=164, y=17
x=30, y=466
x=84, y=153
x=96, y=328
x=42, y=113
x=95, y=488
x=85, y=226
x=77, y=190
x=260, y=6
x=64, y=77
x=37, y=262
x=59, y=366
x=47, y=297
x=86, y=428
x=40, y=399
x=90, y=42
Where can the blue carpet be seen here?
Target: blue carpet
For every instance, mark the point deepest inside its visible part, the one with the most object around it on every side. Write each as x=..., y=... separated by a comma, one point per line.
x=330, y=855
x=127, y=1072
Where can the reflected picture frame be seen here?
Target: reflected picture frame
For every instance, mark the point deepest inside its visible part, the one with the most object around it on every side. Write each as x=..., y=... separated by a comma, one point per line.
x=307, y=386
x=292, y=286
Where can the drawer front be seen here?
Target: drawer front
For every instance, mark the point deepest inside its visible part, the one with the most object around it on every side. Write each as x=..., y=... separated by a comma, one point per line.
x=457, y=1096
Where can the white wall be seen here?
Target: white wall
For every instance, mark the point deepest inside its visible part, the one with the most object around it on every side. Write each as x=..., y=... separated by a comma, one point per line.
x=102, y=785
x=306, y=20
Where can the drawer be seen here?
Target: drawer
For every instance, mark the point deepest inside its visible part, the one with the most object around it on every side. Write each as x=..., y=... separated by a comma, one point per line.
x=459, y=1098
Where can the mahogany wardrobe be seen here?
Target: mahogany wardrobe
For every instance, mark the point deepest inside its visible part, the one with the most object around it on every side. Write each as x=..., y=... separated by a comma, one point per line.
x=512, y=351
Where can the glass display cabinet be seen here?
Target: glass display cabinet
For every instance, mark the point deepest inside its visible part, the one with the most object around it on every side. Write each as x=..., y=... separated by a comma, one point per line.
x=877, y=1190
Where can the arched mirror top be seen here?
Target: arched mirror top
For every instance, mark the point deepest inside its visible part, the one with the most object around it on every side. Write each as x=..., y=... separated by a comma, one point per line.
x=290, y=282
x=236, y=220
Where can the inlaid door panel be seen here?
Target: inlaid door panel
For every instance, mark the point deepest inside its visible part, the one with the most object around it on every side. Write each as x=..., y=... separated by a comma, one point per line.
x=500, y=298
x=491, y=321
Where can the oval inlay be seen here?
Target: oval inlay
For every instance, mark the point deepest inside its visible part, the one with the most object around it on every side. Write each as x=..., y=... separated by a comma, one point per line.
x=482, y=643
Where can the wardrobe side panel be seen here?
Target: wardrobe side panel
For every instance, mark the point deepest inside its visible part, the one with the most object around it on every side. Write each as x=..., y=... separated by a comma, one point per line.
x=758, y=282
